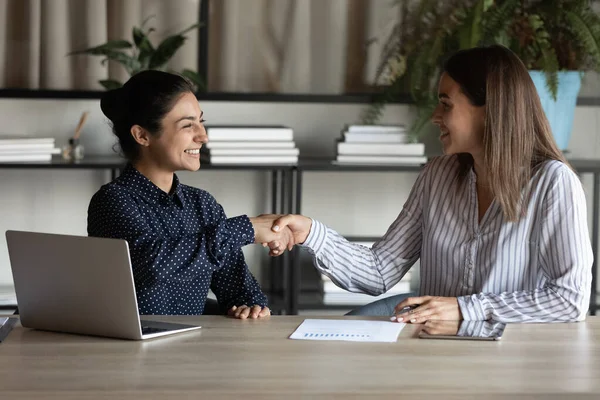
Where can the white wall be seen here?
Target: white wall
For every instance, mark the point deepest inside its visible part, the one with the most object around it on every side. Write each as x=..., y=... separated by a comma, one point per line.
x=353, y=203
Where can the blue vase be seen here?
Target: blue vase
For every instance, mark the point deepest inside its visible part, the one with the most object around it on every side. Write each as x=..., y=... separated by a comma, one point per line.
x=560, y=112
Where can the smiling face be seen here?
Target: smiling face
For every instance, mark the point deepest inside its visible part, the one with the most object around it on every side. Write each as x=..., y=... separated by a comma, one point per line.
x=183, y=134
x=461, y=123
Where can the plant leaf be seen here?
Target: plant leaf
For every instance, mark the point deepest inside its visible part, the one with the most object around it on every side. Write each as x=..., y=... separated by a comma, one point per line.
x=131, y=64
x=111, y=45
x=110, y=84
x=144, y=46
x=496, y=21
x=586, y=27
x=470, y=32
x=165, y=50
x=189, y=28
x=424, y=112
x=148, y=18
x=550, y=68
x=168, y=47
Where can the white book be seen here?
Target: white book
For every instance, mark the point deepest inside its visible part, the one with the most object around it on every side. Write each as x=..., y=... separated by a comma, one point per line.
x=25, y=157
x=381, y=160
x=254, y=152
x=383, y=149
x=25, y=146
x=266, y=160
x=375, y=137
x=377, y=128
x=249, y=145
x=250, y=133
x=51, y=150
x=5, y=140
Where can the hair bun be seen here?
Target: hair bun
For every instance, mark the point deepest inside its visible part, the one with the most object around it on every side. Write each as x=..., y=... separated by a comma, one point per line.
x=112, y=103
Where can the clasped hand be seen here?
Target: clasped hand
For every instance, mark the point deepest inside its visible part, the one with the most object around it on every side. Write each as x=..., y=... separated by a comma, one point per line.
x=280, y=232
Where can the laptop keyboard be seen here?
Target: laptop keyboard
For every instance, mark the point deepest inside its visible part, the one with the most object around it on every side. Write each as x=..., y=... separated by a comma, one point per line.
x=146, y=330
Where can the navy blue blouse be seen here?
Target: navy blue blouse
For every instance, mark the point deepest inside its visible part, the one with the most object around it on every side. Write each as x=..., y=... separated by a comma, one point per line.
x=181, y=244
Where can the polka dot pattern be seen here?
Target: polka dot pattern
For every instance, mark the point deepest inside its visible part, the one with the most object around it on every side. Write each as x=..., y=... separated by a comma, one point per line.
x=181, y=244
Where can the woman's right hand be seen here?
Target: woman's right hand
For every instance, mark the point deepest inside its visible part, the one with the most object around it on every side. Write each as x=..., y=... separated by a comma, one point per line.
x=299, y=225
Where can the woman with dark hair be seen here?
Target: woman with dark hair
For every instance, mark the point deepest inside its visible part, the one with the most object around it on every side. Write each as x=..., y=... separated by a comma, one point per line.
x=499, y=222
x=180, y=241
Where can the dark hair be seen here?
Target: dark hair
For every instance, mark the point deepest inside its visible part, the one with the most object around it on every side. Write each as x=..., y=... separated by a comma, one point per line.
x=517, y=135
x=143, y=100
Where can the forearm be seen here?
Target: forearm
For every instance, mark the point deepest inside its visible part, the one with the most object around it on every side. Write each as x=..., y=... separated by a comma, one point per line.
x=190, y=253
x=548, y=304
x=244, y=291
x=354, y=267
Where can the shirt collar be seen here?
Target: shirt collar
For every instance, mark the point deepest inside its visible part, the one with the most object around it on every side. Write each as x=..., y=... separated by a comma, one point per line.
x=142, y=186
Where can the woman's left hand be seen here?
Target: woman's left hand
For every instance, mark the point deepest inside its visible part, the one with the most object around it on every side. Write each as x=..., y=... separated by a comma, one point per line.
x=243, y=312
x=429, y=308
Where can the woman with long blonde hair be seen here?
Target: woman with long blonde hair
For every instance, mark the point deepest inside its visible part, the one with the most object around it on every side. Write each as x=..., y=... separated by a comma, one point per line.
x=499, y=221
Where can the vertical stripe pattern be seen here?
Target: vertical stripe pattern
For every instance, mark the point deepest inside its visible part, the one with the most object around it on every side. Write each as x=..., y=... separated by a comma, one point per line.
x=537, y=269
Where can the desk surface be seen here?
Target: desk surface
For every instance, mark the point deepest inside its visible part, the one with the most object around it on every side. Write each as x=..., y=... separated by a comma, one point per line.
x=255, y=359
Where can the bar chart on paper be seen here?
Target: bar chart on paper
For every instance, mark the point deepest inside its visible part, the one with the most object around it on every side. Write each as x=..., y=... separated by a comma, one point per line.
x=348, y=330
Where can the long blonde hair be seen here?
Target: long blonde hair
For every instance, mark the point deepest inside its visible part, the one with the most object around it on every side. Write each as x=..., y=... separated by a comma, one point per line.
x=517, y=136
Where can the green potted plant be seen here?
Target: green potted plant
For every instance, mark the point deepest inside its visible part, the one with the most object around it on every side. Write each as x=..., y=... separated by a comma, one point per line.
x=142, y=54
x=556, y=39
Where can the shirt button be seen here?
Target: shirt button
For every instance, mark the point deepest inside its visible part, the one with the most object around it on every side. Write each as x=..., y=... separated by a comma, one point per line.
x=244, y=235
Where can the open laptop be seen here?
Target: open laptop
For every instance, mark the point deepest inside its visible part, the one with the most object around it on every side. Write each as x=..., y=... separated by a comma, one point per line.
x=79, y=284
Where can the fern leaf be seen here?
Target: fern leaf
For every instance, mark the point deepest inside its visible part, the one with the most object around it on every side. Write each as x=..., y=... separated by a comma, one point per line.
x=469, y=34
x=425, y=111
x=586, y=27
x=550, y=68
x=497, y=19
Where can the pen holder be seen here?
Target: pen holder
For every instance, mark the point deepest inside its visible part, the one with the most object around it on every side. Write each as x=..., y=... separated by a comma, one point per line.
x=73, y=151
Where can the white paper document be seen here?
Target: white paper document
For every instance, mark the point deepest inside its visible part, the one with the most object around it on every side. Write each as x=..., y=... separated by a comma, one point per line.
x=348, y=330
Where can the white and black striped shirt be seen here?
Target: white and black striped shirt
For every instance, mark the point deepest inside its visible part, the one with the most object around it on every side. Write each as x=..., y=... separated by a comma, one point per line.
x=535, y=270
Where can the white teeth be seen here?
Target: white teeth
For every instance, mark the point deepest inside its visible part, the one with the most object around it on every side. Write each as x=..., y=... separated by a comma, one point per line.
x=194, y=151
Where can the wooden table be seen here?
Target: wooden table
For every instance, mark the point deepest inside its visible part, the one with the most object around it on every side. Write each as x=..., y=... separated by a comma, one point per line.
x=255, y=359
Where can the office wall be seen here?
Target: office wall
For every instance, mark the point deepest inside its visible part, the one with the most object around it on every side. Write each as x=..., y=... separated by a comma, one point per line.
x=56, y=201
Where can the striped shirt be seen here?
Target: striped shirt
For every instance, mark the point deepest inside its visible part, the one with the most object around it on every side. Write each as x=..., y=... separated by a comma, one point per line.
x=535, y=270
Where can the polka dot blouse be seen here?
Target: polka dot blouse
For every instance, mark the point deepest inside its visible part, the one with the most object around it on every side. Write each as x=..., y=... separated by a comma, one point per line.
x=181, y=244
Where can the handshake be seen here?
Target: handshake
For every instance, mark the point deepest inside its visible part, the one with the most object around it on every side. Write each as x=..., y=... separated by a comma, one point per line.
x=280, y=232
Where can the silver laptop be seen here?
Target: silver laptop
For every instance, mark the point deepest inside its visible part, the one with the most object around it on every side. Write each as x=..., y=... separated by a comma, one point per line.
x=79, y=284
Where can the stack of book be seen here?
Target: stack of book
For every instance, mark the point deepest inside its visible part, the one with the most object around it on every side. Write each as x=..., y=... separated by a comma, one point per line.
x=378, y=144
x=334, y=295
x=250, y=145
x=26, y=149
